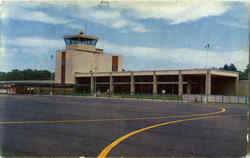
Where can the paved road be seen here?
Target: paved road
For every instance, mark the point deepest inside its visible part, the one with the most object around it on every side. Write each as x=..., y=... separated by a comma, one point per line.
x=79, y=135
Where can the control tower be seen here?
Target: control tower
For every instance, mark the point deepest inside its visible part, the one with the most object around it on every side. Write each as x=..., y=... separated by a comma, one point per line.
x=81, y=55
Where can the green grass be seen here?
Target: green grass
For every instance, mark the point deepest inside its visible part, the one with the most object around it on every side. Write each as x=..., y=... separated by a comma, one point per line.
x=137, y=96
x=74, y=94
x=145, y=96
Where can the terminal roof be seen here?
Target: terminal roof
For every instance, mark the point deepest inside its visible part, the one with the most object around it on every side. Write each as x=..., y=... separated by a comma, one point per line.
x=81, y=37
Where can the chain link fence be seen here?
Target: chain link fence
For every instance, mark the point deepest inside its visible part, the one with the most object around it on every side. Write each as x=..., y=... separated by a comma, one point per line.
x=224, y=99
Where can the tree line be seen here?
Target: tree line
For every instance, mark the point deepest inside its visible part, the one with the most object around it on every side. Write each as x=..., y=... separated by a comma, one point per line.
x=243, y=75
x=27, y=74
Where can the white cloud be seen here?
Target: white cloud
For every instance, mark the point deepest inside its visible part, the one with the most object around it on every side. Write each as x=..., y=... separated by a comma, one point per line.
x=124, y=14
x=177, y=11
x=34, y=51
x=185, y=57
x=5, y=54
x=31, y=47
x=110, y=18
x=120, y=23
x=58, y=3
x=37, y=42
x=104, y=15
x=240, y=58
x=1, y=51
x=234, y=24
x=13, y=11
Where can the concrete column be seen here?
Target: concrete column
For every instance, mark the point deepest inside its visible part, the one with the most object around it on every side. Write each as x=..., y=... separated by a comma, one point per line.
x=189, y=88
x=201, y=87
x=237, y=86
x=38, y=90
x=132, y=84
x=92, y=84
x=172, y=89
x=111, y=88
x=180, y=84
x=154, y=84
x=208, y=83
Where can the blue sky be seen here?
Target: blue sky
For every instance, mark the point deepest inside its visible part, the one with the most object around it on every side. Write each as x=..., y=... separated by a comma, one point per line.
x=149, y=35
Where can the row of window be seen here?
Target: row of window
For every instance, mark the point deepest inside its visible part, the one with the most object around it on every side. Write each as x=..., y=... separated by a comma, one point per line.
x=88, y=42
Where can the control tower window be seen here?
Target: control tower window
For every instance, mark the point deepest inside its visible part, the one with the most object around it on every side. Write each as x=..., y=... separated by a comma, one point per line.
x=67, y=41
x=77, y=41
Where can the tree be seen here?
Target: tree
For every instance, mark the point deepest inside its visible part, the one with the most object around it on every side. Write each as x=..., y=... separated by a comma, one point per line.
x=27, y=74
x=230, y=67
x=225, y=67
x=2, y=76
x=244, y=74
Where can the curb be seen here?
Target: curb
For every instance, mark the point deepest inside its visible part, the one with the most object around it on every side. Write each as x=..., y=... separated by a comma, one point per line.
x=129, y=99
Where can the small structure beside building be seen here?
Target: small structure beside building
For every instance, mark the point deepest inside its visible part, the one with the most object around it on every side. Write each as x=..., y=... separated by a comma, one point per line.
x=244, y=88
x=34, y=87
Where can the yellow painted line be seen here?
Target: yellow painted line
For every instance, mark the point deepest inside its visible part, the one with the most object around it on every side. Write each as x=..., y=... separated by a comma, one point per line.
x=108, y=148
x=102, y=120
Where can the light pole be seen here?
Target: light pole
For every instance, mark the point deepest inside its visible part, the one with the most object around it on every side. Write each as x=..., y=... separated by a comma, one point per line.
x=51, y=78
x=95, y=68
x=95, y=86
x=207, y=46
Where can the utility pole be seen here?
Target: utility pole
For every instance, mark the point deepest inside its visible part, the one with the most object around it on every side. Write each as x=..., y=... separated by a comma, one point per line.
x=248, y=136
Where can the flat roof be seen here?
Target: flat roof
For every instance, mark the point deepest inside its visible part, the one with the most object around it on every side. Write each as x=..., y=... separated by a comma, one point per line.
x=162, y=72
x=80, y=36
x=34, y=83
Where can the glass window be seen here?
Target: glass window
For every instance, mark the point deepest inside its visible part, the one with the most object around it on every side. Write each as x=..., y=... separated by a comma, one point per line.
x=67, y=41
x=76, y=42
x=73, y=42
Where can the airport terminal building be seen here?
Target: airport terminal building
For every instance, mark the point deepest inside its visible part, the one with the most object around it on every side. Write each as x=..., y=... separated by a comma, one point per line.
x=91, y=70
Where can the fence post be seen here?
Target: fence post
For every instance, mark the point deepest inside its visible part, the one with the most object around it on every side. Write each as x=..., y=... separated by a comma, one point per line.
x=222, y=99
x=201, y=99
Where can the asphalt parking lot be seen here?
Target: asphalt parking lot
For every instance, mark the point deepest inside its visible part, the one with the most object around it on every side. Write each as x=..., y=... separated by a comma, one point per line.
x=77, y=126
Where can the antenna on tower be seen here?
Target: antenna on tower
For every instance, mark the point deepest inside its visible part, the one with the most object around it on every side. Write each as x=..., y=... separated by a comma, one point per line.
x=85, y=28
x=104, y=3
